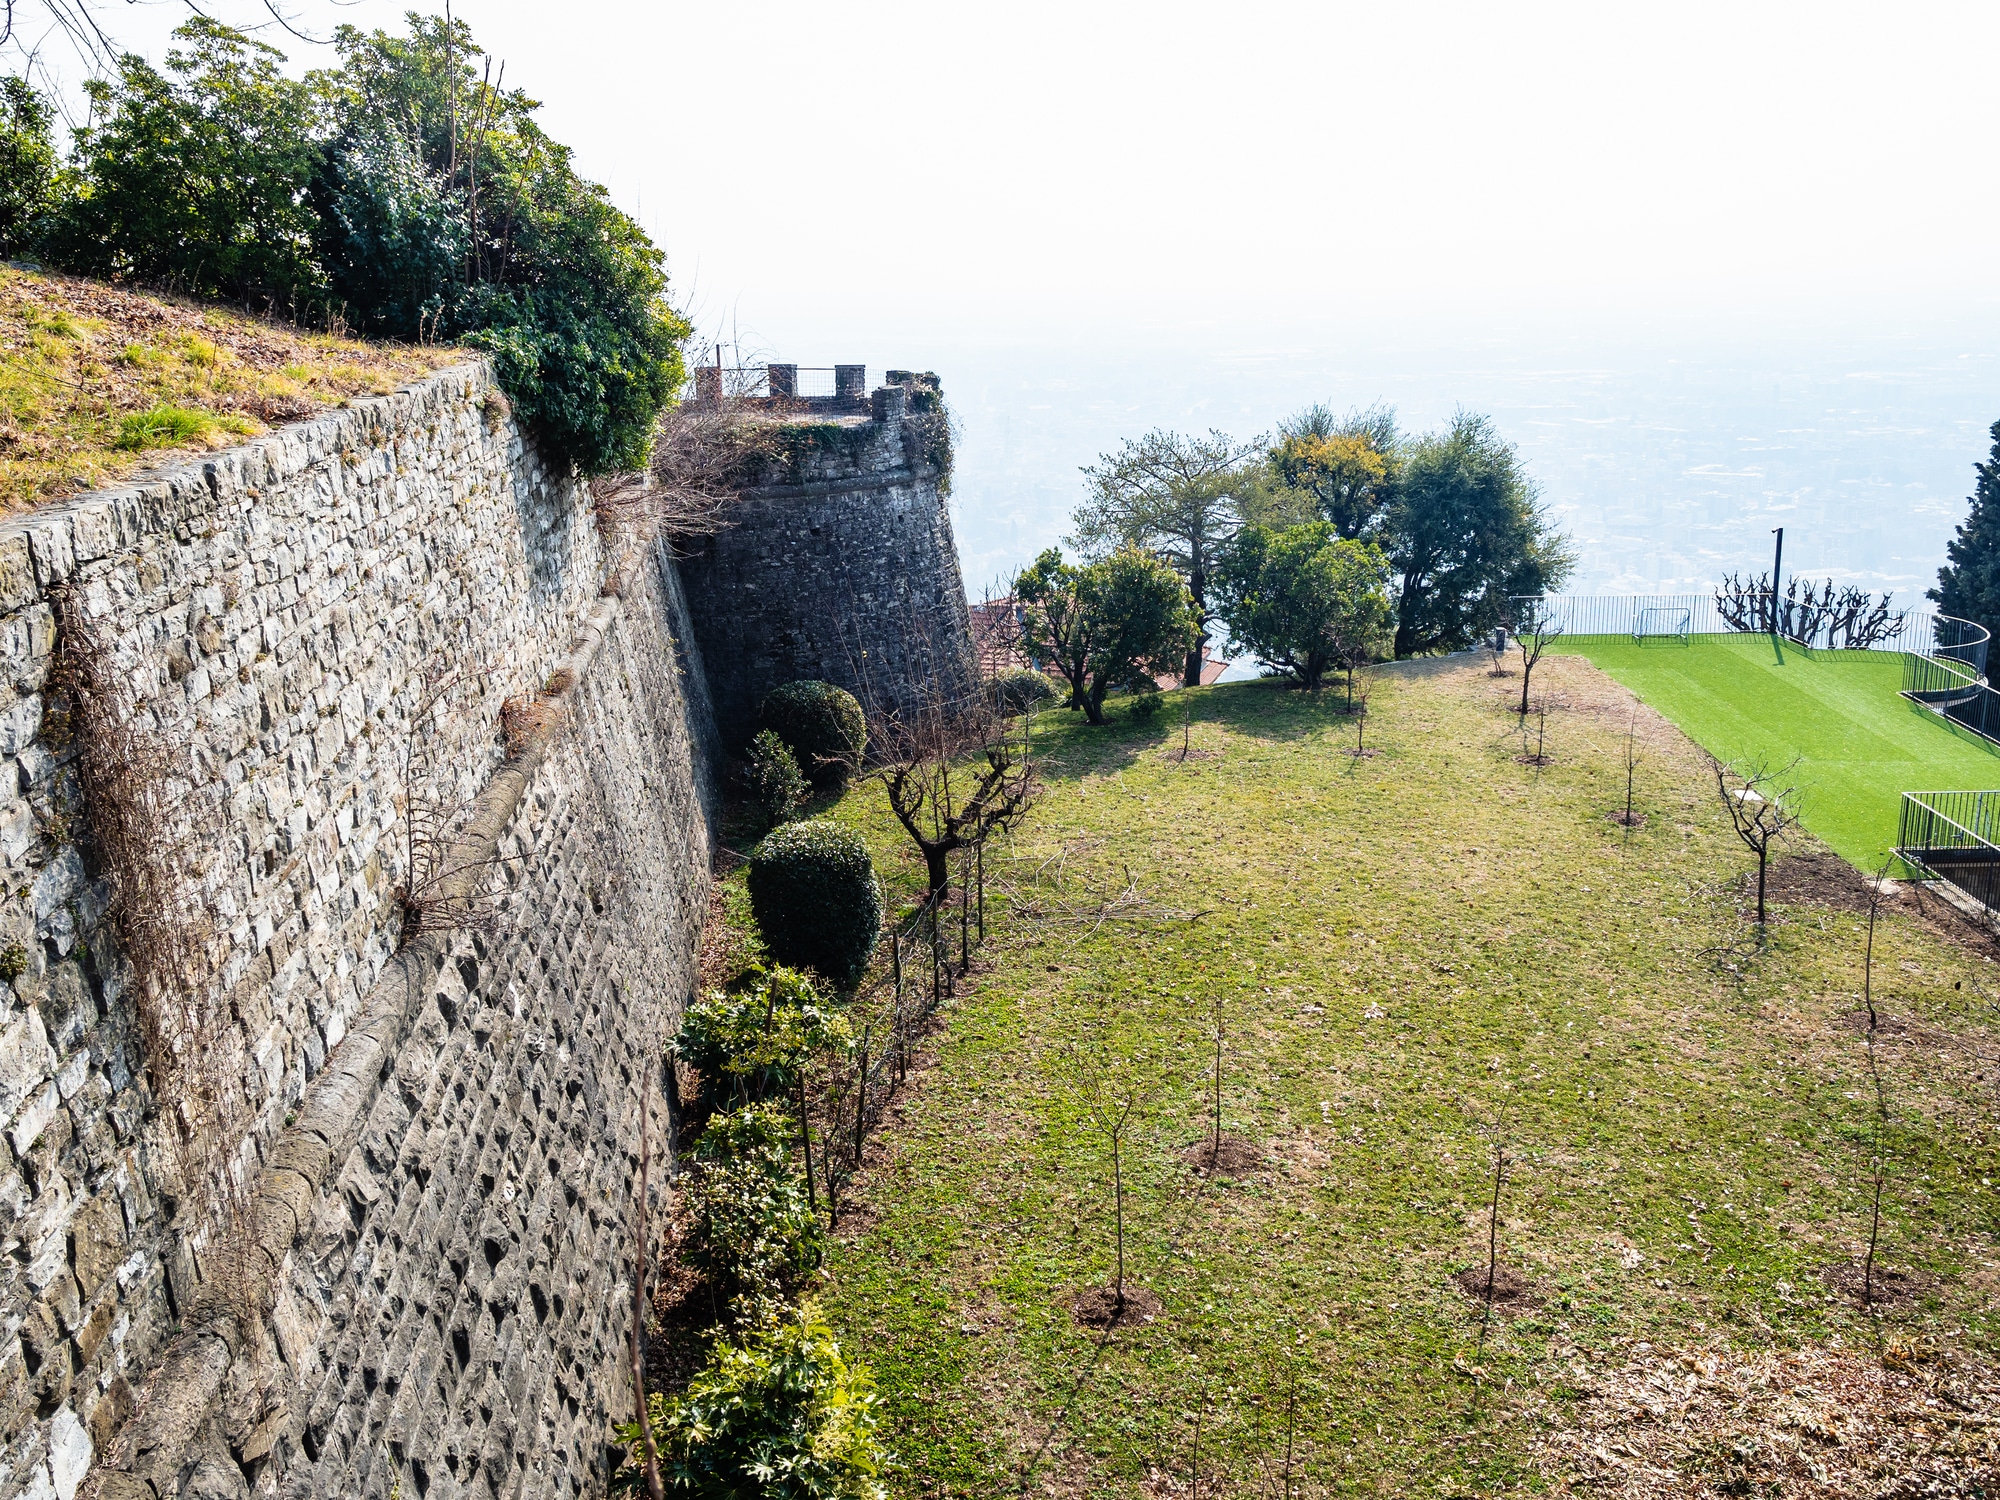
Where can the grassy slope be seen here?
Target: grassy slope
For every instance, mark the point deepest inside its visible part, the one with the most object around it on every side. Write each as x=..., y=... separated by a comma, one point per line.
x=1689, y=1139
x=79, y=358
x=1860, y=745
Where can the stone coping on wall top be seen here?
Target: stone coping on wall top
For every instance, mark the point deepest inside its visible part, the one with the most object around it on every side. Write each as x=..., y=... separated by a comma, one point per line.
x=45, y=546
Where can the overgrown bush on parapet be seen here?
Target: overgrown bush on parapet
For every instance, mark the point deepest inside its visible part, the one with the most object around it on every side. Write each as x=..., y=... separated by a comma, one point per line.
x=816, y=900
x=822, y=725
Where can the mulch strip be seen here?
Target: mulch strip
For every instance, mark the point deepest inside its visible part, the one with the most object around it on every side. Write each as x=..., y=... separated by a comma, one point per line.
x=1887, y=1290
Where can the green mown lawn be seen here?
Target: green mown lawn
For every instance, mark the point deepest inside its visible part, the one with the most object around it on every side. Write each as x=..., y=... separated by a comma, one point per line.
x=1420, y=958
x=1860, y=745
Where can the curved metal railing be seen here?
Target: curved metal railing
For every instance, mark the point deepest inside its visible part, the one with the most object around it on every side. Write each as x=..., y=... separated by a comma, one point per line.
x=1950, y=677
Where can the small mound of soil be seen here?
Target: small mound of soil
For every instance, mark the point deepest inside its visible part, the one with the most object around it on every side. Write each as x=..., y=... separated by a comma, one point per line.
x=1510, y=1288
x=1889, y=1289
x=1231, y=1158
x=1536, y=760
x=1362, y=754
x=1819, y=879
x=1636, y=820
x=1098, y=1307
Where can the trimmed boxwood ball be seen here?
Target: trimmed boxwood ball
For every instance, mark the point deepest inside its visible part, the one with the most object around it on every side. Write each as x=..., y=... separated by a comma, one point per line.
x=823, y=726
x=814, y=895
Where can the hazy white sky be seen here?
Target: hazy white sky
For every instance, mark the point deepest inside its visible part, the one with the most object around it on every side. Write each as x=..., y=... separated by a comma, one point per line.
x=1174, y=213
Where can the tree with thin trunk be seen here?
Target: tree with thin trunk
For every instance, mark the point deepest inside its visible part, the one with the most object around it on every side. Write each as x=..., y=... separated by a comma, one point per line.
x=1763, y=806
x=1536, y=628
x=1111, y=1094
x=952, y=777
x=1631, y=762
x=1874, y=1234
x=1877, y=891
x=1360, y=688
x=1177, y=497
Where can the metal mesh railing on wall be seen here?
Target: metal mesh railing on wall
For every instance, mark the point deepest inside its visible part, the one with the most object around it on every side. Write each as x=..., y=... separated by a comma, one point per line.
x=1950, y=836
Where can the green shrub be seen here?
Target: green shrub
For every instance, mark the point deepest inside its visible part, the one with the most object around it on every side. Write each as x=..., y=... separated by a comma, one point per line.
x=164, y=426
x=1020, y=689
x=816, y=900
x=824, y=727
x=773, y=777
x=760, y=1038
x=775, y=1414
x=753, y=1221
x=1146, y=702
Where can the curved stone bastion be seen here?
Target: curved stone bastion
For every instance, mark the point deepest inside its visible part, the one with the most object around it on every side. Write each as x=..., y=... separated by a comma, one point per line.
x=420, y=800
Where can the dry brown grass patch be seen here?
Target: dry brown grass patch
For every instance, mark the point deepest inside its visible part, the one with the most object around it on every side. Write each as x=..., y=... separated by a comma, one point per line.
x=1816, y=1423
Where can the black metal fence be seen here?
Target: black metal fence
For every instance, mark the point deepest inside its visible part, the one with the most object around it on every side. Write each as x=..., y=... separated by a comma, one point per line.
x=1682, y=619
x=917, y=968
x=1950, y=836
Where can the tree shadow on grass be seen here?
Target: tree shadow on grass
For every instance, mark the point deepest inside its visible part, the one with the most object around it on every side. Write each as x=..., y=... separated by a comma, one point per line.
x=1273, y=710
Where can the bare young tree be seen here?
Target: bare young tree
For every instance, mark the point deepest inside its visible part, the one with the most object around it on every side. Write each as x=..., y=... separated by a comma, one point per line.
x=1878, y=890
x=1536, y=628
x=1628, y=818
x=1360, y=688
x=953, y=779
x=1762, y=807
x=1112, y=1095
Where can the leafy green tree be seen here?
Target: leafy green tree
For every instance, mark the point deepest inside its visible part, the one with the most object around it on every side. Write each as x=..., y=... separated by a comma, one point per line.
x=446, y=211
x=1306, y=599
x=27, y=164
x=1052, y=620
x=1968, y=584
x=1348, y=467
x=195, y=178
x=1180, y=497
x=1139, y=620
x=1465, y=534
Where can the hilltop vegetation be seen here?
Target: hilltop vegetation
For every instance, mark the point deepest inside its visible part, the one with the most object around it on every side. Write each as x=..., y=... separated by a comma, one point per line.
x=97, y=382
x=1422, y=959
x=404, y=194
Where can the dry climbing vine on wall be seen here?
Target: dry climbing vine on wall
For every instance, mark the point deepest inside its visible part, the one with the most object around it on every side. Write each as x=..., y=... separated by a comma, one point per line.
x=146, y=827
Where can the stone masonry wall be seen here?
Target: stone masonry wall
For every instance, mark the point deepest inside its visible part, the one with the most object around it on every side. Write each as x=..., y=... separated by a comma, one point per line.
x=843, y=569
x=437, y=1138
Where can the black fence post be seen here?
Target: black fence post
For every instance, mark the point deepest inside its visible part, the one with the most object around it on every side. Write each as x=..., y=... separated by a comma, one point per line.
x=979, y=850
x=965, y=912
x=861, y=1098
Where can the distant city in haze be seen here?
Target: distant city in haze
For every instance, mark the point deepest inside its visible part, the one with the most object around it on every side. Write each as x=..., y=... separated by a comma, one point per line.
x=1668, y=469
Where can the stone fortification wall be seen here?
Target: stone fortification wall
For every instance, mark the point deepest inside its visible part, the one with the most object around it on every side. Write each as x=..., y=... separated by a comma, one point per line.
x=840, y=566
x=435, y=1138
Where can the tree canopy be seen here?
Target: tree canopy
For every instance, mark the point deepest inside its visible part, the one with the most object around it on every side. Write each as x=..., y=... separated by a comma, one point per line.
x=1177, y=497
x=1306, y=599
x=1112, y=623
x=1465, y=533
x=403, y=194
x=1348, y=467
x=1968, y=584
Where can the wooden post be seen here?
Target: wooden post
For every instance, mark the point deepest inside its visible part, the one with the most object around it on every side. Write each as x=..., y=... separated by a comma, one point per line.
x=980, y=850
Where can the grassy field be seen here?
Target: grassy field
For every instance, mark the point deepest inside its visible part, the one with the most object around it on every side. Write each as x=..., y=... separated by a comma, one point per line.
x=1420, y=958
x=98, y=381
x=1860, y=746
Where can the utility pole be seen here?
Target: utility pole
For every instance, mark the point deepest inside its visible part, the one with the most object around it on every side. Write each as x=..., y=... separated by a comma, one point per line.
x=1777, y=567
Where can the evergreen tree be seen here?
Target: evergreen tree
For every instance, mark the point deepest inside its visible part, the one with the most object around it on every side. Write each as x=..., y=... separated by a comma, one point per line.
x=1968, y=584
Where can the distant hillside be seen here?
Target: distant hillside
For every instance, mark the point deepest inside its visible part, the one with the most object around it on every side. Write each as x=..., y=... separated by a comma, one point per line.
x=98, y=382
